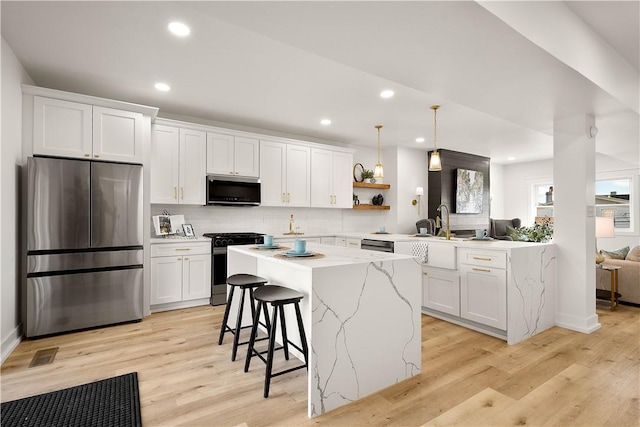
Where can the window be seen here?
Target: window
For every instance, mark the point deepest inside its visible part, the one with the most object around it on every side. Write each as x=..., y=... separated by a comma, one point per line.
x=613, y=198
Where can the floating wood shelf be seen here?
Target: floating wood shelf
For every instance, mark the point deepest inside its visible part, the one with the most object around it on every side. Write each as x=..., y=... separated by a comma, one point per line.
x=372, y=207
x=367, y=185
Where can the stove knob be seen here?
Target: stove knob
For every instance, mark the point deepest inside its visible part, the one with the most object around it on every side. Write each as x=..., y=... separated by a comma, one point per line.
x=223, y=242
x=216, y=242
x=230, y=242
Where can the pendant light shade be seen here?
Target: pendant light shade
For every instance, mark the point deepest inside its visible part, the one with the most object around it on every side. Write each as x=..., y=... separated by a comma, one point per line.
x=378, y=170
x=434, y=161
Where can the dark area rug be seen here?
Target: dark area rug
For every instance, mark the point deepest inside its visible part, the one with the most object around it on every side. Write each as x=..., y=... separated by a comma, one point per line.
x=112, y=402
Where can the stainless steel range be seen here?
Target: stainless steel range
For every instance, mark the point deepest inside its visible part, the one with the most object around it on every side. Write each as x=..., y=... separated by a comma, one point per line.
x=219, y=243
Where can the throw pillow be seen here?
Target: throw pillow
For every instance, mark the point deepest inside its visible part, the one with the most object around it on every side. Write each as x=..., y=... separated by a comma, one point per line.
x=513, y=233
x=619, y=254
x=634, y=254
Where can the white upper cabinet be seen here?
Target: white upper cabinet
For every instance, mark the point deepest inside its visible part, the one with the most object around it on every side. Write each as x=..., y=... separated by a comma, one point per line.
x=117, y=135
x=178, y=165
x=331, y=181
x=232, y=155
x=62, y=128
x=165, y=151
x=298, y=175
x=71, y=129
x=285, y=172
x=193, y=167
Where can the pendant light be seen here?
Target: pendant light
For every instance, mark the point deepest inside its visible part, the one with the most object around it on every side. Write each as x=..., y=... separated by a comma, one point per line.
x=434, y=162
x=378, y=170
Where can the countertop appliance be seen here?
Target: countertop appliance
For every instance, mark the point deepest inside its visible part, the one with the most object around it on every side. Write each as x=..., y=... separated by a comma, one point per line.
x=376, y=245
x=84, y=245
x=219, y=243
x=233, y=191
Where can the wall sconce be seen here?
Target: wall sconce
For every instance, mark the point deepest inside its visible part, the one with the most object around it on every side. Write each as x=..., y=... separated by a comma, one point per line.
x=418, y=199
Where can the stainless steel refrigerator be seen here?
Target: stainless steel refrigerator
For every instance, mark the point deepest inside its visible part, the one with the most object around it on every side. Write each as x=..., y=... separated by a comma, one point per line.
x=84, y=245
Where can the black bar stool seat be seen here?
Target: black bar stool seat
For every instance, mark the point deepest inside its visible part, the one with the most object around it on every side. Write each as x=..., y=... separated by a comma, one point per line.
x=244, y=282
x=278, y=297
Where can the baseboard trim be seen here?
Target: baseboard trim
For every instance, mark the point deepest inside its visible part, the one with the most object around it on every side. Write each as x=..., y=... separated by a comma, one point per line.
x=11, y=342
x=585, y=325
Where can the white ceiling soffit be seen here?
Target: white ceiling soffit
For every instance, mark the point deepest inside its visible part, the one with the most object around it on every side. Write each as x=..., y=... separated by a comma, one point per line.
x=283, y=66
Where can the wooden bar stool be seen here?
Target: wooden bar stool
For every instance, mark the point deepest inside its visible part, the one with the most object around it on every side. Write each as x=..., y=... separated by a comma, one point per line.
x=278, y=297
x=244, y=282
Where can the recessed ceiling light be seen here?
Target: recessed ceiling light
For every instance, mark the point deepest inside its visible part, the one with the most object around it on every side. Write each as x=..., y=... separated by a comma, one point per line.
x=163, y=87
x=325, y=122
x=421, y=139
x=511, y=158
x=179, y=29
x=386, y=93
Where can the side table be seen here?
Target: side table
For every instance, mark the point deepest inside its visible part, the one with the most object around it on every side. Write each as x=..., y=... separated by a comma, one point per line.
x=613, y=294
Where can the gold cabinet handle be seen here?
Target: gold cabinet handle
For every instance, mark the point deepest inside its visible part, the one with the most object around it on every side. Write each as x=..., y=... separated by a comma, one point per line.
x=87, y=155
x=96, y=155
x=183, y=249
x=482, y=269
x=182, y=192
x=283, y=198
x=186, y=259
x=481, y=259
x=288, y=197
x=175, y=193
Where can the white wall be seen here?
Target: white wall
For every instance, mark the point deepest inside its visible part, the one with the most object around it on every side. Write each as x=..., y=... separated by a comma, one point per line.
x=412, y=172
x=13, y=74
x=496, y=191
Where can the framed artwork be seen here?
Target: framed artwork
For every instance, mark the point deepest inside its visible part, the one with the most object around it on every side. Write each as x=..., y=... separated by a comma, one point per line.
x=469, y=189
x=188, y=230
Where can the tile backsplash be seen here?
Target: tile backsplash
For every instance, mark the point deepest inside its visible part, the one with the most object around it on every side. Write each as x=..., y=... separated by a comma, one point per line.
x=272, y=220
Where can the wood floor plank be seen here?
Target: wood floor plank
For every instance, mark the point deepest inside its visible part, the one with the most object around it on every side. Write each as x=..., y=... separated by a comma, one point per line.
x=559, y=377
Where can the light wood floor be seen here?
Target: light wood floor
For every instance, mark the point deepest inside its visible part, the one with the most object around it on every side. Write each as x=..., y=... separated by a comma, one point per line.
x=559, y=377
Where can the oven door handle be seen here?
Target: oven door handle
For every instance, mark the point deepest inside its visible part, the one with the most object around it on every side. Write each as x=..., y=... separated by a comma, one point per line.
x=219, y=251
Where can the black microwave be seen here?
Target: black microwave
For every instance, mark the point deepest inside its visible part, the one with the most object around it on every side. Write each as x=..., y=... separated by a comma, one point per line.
x=233, y=191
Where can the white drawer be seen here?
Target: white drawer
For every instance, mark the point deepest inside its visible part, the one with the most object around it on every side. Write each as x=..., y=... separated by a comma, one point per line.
x=171, y=249
x=483, y=257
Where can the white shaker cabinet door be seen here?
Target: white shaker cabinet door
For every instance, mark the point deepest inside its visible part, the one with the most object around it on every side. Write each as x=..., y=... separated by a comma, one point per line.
x=298, y=176
x=342, y=180
x=321, y=178
x=196, y=277
x=166, y=279
x=117, y=135
x=220, y=154
x=164, y=164
x=193, y=167
x=441, y=291
x=483, y=295
x=62, y=128
x=273, y=157
x=247, y=156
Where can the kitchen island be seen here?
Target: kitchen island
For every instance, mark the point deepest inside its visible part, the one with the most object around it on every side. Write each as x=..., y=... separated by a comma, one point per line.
x=501, y=288
x=361, y=313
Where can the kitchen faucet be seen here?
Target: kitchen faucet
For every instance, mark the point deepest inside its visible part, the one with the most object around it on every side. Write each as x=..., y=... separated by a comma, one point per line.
x=438, y=220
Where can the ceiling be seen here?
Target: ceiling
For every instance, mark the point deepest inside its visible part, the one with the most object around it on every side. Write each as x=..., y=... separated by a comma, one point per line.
x=283, y=66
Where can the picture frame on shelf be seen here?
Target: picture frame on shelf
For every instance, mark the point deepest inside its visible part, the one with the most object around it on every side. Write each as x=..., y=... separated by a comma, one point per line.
x=188, y=230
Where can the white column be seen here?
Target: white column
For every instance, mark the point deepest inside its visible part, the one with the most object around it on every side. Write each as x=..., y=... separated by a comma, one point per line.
x=574, y=223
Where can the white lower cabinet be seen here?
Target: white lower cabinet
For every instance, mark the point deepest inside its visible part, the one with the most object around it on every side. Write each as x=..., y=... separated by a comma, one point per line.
x=441, y=290
x=483, y=288
x=180, y=275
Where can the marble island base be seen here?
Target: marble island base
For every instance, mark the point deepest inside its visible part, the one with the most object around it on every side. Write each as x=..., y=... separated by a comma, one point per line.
x=361, y=315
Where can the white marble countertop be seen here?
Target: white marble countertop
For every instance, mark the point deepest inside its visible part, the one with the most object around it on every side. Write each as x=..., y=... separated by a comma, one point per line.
x=333, y=255
x=176, y=239
x=472, y=243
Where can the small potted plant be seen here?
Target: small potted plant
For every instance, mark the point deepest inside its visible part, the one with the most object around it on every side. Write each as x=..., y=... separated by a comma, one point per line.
x=367, y=176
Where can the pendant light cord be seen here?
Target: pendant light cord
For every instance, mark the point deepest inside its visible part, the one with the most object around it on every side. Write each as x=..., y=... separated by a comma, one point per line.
x=435, y=126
